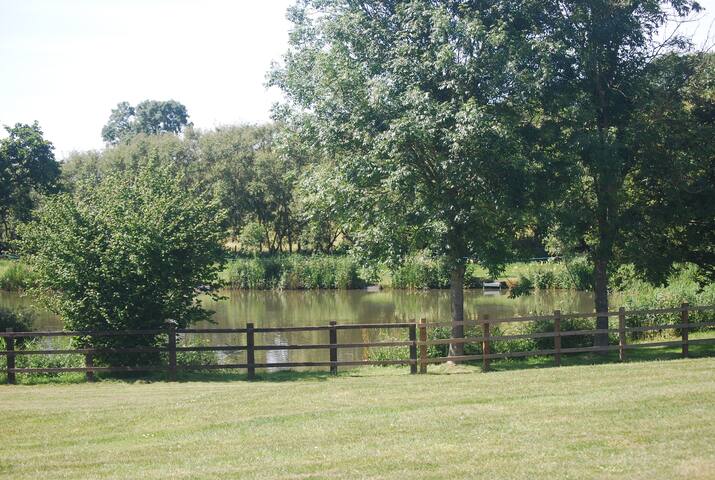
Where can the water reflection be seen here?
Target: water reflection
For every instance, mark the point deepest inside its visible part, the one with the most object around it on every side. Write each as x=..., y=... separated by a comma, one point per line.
x=296, y=308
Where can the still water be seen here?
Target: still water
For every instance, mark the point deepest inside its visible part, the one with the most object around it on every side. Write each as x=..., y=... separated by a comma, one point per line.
x=299, y=308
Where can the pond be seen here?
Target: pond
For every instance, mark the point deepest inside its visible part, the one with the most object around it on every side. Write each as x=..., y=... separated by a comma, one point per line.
x=318, y=307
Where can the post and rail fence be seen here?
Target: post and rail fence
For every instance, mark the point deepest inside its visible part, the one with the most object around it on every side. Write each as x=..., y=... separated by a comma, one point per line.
x=417, y=343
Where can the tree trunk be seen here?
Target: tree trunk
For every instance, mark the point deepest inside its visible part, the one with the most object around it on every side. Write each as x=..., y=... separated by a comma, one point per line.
x=601, y=294
x=457, y=300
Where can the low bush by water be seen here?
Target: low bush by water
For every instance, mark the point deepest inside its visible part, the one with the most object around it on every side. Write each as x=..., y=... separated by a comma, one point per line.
x=294, y=272
x=15, y=275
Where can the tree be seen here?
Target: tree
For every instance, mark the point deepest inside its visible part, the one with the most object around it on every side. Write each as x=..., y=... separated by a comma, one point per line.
x=422, y=105
x=151, y=117
x=27, y=168
x=254, y=181
x=129, y=253
x=595, y=64
x=670, y=203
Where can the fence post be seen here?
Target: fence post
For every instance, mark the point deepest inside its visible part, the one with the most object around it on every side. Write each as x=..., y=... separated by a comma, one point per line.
x=412, y=331
x=423, y=347
x=622, y=334
x=250, y=351
x=89, y=363
x=171, y=333
x=333, y=349
x=485, y=346
x=685, y=319
x=557, y=337
x=10, y=347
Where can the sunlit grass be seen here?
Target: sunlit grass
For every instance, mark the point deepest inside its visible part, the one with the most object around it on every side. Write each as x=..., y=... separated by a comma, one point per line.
x=636, y=420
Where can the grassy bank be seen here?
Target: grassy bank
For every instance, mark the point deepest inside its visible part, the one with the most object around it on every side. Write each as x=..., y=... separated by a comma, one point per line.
x=416, y=272
x=294, y=272
x=609, y=421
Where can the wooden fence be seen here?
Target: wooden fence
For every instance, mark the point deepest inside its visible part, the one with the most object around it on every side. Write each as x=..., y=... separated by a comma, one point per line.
x=418, y=344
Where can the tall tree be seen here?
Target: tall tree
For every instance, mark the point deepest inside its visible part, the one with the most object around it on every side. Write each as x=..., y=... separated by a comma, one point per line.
x=422, y=106
x=670, y=203
x=595, y=70
x=27, y=168
x=151, y=117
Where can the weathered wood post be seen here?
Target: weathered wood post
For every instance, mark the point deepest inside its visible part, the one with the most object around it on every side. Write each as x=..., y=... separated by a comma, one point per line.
x=622, y=334
x=89, y=363
x=333, y=349
x=250, y=351
x=685, y=320
x=557, y=337
x=485, y=344
x=171, y=333
x=423, y=346
x=10, y=347
x=412, y=332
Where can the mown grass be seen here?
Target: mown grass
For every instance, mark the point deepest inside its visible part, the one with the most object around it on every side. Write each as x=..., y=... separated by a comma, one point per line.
x=636, y=420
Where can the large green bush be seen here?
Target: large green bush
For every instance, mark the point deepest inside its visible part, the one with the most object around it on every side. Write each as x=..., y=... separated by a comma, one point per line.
x=129, y=253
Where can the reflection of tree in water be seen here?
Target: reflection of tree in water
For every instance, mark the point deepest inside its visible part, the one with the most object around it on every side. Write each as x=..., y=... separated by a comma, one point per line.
x=278, y=356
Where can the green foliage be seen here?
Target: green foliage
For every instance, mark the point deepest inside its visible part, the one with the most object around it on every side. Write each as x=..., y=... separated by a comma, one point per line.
x=129, y=253
x=420, y=109
x=523, y=287
x=61, y=360
x=15, y=275
x=295, y=272
x=18, y=320
x=421, y=271
x=418, y=272
x=252, y=237
x=683, y=286
x=618, y=121
x=576, y=274
x=27, y=169
x=194, y=358
x=151, y=117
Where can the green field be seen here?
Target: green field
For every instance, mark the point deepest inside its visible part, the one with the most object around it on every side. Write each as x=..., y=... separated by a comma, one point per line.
x=639, y=420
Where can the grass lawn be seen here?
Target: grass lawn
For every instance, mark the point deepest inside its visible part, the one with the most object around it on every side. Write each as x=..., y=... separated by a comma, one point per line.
x=639, y=420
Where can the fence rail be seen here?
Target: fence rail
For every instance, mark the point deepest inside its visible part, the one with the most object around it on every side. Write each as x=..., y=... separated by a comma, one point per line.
x=417, y=333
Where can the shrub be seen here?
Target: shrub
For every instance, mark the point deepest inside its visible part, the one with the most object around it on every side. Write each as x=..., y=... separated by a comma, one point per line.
x=194, y=358
x=295, y=272
x=682, y=287
x=128, y=254
x=18, y=320
x=16, y=276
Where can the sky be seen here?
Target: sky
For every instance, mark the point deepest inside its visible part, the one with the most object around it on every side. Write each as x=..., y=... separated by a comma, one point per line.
x=67, y=63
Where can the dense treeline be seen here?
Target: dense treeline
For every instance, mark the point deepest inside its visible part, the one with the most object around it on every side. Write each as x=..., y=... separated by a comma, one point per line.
x=268, y=207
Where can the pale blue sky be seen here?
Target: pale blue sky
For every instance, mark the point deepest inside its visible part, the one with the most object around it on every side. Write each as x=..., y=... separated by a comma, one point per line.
x=67, y=63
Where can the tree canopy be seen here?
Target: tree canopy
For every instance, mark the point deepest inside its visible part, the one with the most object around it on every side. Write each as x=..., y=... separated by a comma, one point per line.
x=602, y=99
x=27, y=168
x=151, y=117
x=423, y=107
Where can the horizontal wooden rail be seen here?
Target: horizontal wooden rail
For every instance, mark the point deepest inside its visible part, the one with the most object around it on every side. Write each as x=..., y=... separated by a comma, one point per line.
x=417, y=349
